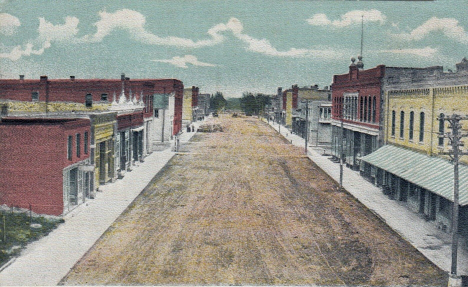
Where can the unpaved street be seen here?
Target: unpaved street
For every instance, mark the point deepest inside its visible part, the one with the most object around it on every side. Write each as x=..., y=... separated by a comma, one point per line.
x=245, y=207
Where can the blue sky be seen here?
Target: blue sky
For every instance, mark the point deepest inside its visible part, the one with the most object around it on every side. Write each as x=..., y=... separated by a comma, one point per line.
x=227, y=46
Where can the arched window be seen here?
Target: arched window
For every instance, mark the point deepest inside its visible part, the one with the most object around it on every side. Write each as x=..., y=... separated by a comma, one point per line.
x=393, y=123
x=441, y=129
x=369, y=109
x=402, y=124
x=365, y=109
x=374, y=112
x=411, y=125
x=421, y=127
x=361, y=110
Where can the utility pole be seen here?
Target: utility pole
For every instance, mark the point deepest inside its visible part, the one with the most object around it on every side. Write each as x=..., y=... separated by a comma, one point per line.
x=455, y=137
x=307, y=126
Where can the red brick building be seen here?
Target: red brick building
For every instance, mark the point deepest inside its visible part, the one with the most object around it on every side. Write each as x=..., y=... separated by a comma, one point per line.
x=129, y=142
x=356, y=105
x=88, y=91
x=45, y=163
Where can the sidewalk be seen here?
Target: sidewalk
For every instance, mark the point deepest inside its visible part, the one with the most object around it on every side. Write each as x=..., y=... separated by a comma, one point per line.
x=433, y=243
x=46, y=261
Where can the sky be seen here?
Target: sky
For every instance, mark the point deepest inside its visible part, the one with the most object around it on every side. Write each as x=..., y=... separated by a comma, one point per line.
x=227, y=46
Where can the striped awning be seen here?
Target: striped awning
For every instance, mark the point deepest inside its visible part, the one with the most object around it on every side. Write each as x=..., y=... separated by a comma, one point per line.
x=432, y=173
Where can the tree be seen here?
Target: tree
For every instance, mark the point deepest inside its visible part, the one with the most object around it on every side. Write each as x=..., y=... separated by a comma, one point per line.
x=217, y=101
x=254, y=104
x=248, y=103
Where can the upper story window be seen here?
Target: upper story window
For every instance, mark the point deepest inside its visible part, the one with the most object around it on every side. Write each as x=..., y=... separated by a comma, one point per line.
x=441, y=129
x=104, y=98
x=374, y=110
x=411, y=126
x=89, y=100
x=70, y=148
x=156, y=113
x=402, y=124
x=78, y=145
x=85, y=143
x=393, y=123
x=35, y=96
x=421, y=127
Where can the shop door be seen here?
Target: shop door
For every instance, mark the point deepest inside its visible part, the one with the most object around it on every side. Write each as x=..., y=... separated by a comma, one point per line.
x=73, y=187
x=102, y=162
x=135, y=146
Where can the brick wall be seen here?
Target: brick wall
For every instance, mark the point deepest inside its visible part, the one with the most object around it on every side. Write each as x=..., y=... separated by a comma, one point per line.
x=33, y=156
x=75, y=90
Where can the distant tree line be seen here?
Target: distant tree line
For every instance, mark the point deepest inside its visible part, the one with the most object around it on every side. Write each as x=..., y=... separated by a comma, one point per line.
x=217, y=102
x=254, y=104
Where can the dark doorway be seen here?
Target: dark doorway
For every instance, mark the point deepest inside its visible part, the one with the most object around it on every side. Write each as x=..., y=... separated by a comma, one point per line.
x=102, y=162
x=74, y=186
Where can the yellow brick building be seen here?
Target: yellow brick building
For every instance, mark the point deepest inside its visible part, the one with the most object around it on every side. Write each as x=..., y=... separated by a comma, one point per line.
x=412, y=116
x=187, y=106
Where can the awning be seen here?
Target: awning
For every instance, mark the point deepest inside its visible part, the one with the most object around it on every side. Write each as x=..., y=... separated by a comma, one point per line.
x=432, y=173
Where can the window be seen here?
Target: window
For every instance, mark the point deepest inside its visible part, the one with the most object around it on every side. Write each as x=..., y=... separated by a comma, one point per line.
x=85, y=143
x=411, y=125
x=365, y=109
x=393, y=123
x=361, y=109
x=35, y=96
x=402, y=124
x=441, y=129
x=70, y=148
x=369, y=110
x=78, y=145
x=89, y=100
x=374, y=110
x=421, y=127
x=104, y=98
x=156, y=113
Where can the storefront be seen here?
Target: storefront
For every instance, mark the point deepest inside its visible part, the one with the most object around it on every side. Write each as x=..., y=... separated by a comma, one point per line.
x=103, y=130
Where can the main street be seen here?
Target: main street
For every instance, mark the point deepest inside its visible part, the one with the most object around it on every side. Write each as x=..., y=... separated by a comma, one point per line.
x=243, y=206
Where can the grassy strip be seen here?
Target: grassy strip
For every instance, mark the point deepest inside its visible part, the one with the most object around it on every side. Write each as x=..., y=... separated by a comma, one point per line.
x=19, y=229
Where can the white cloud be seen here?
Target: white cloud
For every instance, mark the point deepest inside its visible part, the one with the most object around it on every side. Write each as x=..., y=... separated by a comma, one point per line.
x=17, y=52
x=182, y=62
x=133, y=22
x=426, y=52
x=319, y=20
x=50, y=32
x=349, y=18
x=264, y=46
x=8, y=24
x=448, y=26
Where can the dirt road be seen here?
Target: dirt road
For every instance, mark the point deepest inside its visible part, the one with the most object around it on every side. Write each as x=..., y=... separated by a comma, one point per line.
x=244, y=207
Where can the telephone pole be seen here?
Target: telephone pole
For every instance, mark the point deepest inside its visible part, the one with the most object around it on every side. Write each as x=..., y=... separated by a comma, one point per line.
x=454, y=137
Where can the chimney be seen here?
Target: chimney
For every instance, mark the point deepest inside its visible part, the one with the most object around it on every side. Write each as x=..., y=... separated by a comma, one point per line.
x=43, y=78
x=122, y=77
x=72, y=78
x=21, y=77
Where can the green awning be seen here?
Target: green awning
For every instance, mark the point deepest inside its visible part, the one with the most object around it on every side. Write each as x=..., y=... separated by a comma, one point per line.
x=432, y=173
